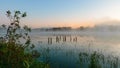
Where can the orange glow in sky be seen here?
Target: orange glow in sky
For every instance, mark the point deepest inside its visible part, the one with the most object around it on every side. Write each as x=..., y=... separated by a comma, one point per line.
x=64, y=13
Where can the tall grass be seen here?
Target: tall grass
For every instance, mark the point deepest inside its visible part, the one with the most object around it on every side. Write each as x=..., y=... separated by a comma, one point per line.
x=98, y=60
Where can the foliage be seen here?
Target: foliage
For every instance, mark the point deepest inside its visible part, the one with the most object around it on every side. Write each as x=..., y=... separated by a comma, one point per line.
x=98, y=60
x=16, y=49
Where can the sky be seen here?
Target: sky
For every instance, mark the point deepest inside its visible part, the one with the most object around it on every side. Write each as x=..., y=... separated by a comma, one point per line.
x=63, y=13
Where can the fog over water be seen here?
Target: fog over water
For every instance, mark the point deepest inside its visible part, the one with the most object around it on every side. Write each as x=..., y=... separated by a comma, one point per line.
x=72, y=43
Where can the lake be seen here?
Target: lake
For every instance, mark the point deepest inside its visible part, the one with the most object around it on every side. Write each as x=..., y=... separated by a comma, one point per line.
x=62, y=49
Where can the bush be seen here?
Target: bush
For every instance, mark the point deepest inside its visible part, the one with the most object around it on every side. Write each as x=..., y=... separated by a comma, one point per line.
x=15, y=53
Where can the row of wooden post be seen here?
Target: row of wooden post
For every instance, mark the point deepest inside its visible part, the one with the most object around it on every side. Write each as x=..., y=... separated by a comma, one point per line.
x=61, y=38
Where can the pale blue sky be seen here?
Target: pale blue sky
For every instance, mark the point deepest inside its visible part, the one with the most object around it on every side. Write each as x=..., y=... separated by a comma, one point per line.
x=74, y=13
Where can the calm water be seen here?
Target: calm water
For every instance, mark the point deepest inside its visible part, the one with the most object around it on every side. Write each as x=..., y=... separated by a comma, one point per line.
x=63, y=51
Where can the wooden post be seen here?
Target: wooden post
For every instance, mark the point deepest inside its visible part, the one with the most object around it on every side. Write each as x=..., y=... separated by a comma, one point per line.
x=49, y=40
x=57, y=39
x=75, y=39
x=70, y=38
x=64, y=38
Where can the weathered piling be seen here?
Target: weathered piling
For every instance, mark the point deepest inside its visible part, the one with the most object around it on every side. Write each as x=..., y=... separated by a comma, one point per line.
x=64, y=38
x=75, y=39
x=49, y=40
x=60, y=38
x=70, y=38
x=57, y=39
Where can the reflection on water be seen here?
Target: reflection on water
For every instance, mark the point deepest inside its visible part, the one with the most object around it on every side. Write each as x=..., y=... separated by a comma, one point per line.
x=62, y=50
x=65, y=49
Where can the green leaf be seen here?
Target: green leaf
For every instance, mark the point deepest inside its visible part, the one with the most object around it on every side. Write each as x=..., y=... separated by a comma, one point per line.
x=24, y=14
x=8, y=12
